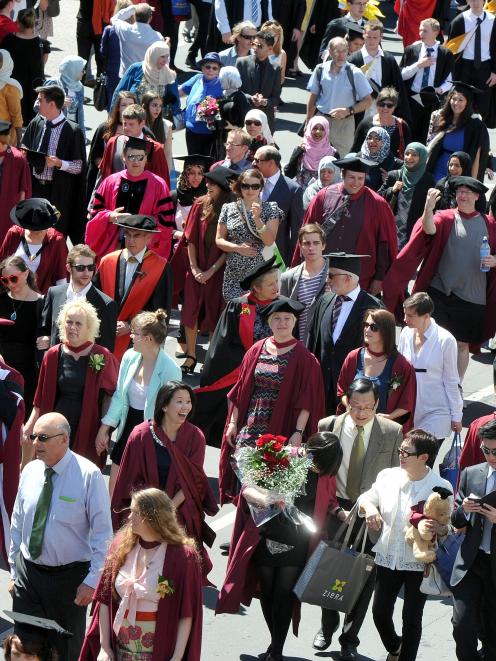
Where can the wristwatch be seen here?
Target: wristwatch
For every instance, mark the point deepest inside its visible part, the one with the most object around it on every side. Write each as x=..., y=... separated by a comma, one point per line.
x=351, y=110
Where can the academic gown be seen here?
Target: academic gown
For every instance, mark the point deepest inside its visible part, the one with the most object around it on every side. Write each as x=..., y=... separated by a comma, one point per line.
x=15, y=179
x=301, y=388
x=410, y=13
x=428, y=250
x=138, y=470
x=103, y=236
x=155, y=163
x=319, y=14
x=53, y=257
x=182, y=569
x=97, y=384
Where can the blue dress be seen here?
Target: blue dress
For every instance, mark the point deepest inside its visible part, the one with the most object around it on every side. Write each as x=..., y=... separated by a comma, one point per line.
x=452, y=141
x=382, y=380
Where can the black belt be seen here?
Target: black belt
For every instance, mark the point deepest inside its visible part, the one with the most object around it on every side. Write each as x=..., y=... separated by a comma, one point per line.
x=44, y=182
x=53, y=569
x=419, y=369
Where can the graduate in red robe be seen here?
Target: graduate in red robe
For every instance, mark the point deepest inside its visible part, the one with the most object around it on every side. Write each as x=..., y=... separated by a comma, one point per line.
x=15, y=184
x=410, y=13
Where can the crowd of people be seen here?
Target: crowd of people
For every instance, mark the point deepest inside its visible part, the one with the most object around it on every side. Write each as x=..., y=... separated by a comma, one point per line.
x=342, y=293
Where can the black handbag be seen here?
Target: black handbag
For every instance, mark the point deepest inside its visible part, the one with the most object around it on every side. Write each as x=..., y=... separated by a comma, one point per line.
x=100, y=95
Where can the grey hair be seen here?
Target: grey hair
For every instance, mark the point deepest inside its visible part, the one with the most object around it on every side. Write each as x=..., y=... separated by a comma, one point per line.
x=64, y=427
x=230, y=79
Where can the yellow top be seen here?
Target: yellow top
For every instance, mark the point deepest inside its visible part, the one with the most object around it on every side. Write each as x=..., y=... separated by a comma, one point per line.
x=10, y=110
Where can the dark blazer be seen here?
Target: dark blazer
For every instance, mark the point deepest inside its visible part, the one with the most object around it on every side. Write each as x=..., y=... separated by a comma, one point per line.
x=418, y=197
x=386, y=437
x=472, y=480
x=457, y=28
x=270, y=87
x=319, y=339
x=289, y=197
x=445, y=63
x=105, y=306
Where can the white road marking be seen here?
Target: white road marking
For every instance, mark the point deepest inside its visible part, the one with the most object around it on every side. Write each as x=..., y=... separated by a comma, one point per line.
x=480, y=394
x=223, y=521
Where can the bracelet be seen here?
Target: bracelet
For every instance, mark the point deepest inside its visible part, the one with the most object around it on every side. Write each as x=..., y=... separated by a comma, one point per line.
x=298, y=431
x=261, y=230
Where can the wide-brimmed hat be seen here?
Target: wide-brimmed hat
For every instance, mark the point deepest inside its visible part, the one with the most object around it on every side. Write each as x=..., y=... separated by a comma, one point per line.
x=255, y=273
x=35, y=214
x=210, y=57
x=138, y=222
x=222, y=176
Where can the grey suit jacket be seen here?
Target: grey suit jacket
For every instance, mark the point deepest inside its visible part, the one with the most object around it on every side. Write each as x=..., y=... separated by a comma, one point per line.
x=270, y=87
x=288, y=285
x=385, y=439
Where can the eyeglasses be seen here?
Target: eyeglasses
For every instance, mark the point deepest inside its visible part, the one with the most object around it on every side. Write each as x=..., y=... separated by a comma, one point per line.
x=260, y=160
x=362, y=409
x=385, y=104
x=250, y=37
x=9, y=279
x=330, y=276
x=404, y=453
x=253, y=122
x=211, y=67
x=43, y=438
x=258, y=45
x=84, y=267
x=488, y=451
x=373, y=327
x=233, y=144
x=251, y=186
x=135, y=157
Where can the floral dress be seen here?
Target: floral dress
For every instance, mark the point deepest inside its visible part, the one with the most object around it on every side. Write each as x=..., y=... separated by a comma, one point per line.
x=237, y=266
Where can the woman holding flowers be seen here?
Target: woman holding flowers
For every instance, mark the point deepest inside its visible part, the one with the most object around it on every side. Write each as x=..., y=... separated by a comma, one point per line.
x=149, y=599
x=77, y=379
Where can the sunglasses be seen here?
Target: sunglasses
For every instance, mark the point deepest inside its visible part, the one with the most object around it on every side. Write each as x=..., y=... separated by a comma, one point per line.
x=260, y=160
x=9, y=279
x=43, y=438
x=211, y=67
x=250, y=37
x=253, y=122
x=488, y=451
x=404, y=453
x=373, y=327
x=251, y=186
x=135, y=158
x=80, y=268
x=385, y=104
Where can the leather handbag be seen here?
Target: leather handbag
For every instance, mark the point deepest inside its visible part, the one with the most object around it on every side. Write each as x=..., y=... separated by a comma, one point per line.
x=100, y=95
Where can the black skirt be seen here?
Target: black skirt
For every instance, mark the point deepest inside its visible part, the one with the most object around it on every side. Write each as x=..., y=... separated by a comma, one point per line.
x=461, y=318
x=134, y=417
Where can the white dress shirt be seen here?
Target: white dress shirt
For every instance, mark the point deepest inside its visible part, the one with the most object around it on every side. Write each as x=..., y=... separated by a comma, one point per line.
x=345, y=313
x=269, y=185
x=486, y=28
x=439, y=401
x=132, y=267
x=347, y=437
x=223, y=21
x=77, y=295
x=414, y=70
x=374, y=71
x=78, y=526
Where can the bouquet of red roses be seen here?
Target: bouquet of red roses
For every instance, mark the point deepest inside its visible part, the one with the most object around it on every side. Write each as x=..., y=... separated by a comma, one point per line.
x=208, y=111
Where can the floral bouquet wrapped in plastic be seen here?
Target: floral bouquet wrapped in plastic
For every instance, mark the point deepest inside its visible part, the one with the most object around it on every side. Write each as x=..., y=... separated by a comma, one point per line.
x=279, y=472
x=208, y=111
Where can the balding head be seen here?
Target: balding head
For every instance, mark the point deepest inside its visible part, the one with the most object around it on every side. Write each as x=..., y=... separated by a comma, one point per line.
x=52, y=432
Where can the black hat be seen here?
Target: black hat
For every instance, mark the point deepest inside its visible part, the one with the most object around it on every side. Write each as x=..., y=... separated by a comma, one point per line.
x=465, y=88
x=36, y=629
x=35, y=214
x=36, y=159
x=138, y=222
x=210, y=57
x=349, y=263
x=138, y=143
x=469, y=182
x=4, y=127
x=355, y=163
x=283, y=304
x=353, y=29
x=196, y=159
x=222, y=176
x=427, y=97
x=265, y=267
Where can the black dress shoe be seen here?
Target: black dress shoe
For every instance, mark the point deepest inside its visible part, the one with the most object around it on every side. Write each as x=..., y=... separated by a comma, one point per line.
x=225, y=547
x=348, y=652
x=321, y=642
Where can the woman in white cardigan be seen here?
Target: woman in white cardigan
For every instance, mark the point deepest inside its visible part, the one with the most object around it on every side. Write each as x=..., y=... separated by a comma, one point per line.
x=387, y=507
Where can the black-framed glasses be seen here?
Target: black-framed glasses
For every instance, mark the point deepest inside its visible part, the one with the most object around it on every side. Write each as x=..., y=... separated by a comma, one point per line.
x=488, y=451
x=385, y=104
x=251, y=186
x=43, y=438
x=260, y=160
x=404, y=453
x=80, y=268
x=373, y=327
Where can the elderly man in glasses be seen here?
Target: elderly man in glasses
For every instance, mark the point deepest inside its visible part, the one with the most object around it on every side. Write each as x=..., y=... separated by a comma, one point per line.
x=81, y=266
x=60, y=531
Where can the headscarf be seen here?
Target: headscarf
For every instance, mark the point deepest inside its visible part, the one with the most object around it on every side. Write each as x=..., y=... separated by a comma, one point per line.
x=255, y=113
x=383, y=151
x=186, y=195
x=230, y=79
x=316, y=150
x=448, y=200
x=317, y=185
x=70, y=73
x=6, y=71
x=411, y=176
x=152, y=74
x=465, y=162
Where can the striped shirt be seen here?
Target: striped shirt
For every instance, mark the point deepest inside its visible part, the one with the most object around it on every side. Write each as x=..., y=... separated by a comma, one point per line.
x=73, y=167
x=308, y=288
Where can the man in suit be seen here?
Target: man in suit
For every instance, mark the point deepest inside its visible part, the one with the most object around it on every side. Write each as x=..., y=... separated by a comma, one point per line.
x=339, y=27
x=426, y=64
x=288, y=195
x=473, y=581
x=335, y=327
x=261, y=80
x=370, y=444
x=81, y=266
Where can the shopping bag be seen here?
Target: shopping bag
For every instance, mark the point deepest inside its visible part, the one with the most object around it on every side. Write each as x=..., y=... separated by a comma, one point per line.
x=432, y=583
x=448, y=468
x=336, y=573
x=446, y=555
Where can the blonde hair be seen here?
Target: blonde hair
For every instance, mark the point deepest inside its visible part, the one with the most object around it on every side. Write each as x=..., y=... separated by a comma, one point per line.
x=276, y=28
x=238, y=29
x=89, y=311
x=121, y=4
x=152, y=323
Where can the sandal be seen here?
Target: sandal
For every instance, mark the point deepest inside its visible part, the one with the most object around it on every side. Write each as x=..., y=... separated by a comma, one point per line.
x=189, y=369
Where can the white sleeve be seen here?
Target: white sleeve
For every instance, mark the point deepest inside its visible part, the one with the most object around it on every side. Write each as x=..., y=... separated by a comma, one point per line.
x=451, y=378
x=221, y=16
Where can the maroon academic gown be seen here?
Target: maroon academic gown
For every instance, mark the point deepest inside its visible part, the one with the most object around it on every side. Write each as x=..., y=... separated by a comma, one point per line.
x=10, y=451
x=203, y=304
x=182, y=568
x=427, y=250
x=241, y=582
x=403, y=397
x=377, y=236
x=138, y=470
x=301, y=388
x=156, y=161
x=16, y=178
x=53, y=257
x=96, y=385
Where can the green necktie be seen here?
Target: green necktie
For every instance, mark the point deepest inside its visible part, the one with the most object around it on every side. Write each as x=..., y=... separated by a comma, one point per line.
x=41, y=514
x=356, y=466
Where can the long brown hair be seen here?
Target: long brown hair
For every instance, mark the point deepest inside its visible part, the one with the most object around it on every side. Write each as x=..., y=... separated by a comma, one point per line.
x=114, y=119
x=211, y=212
x=155, y=125
x=387, y=328
x=446, y=115
x=19, y=263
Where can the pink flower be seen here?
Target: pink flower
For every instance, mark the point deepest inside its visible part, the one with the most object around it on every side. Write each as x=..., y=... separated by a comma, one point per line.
x=147, y=639
x=135, y=633
x=123, y=635
x=126, y=657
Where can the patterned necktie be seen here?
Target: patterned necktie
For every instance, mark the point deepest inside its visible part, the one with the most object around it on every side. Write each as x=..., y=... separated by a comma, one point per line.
x=427, y=70
x=336, y=310
x=132, y=259
x=477, y=45
x=41, y=515
x=254, y=12
x=356, y=466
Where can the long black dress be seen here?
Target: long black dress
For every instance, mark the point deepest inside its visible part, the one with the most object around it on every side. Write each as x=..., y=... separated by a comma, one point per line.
x=71, y=380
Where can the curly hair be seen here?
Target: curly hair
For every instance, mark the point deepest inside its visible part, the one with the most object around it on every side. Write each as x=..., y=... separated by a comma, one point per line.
x=89, y=312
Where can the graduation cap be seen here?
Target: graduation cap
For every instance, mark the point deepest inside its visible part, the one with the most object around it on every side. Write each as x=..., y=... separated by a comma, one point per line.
x=222, y=176
x=138, y=222
x=36, y=629
x=196, y=159
x=35, y=214
x=470, y=182
x=137, y=143
x=355, y=163
x=353, y=29
x=346, y=262
x=36, y=159
x=4, y=128
x=466, y=89
x=427, y=97
x=283, y=304
x=265, y=267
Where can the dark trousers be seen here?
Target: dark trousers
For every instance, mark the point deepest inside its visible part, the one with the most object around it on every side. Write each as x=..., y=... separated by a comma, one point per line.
x=50, y=592
x=419, y=124
x=387, y=587
x=477, y=77
x=172, y=30
x=439, y=442
x=354, y=619
x=200, y=41
x=474, y=598
x=86, y=38
x=199, y=143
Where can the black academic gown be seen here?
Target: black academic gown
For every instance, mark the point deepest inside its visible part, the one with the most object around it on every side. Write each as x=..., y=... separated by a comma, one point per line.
x=322, y=13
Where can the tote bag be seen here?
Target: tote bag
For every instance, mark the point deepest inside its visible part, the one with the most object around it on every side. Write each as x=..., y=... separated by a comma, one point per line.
x=448, y=468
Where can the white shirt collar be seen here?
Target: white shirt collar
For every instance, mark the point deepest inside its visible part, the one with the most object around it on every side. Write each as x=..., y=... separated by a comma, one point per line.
x=366, y=54
x=434, y=47
x=71, y=293
x=353, y=294
x=139, y=256
x=57, y=119
x=490, y=471
x=474, y=17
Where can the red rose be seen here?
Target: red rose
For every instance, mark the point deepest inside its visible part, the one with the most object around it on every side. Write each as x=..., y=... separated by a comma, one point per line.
x=135, y=633
x=284, y=462
x=281, y=439
x=123, y=635
x=277, y=446
x=147, y=639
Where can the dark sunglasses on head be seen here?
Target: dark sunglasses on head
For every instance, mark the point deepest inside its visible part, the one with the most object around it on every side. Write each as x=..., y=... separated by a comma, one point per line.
x=84, y=267
x=43, y=438
x=253, y=122
x=251, y=186
x=6, y=279
x=385, y=104
x=488, y=451
x=373, y=327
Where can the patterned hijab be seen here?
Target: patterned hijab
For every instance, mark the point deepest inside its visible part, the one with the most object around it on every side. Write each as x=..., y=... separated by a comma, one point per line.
x=385, y=148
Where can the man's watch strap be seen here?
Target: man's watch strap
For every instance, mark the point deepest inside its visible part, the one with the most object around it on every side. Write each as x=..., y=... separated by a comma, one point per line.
x=351, y=110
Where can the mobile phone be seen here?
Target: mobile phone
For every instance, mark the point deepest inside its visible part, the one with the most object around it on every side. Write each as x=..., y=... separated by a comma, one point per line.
x=474, y=499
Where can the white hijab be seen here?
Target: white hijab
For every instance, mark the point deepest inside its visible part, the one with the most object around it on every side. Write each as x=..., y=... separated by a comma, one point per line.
x=255, y=113
x=153, y=75
x=6, y=71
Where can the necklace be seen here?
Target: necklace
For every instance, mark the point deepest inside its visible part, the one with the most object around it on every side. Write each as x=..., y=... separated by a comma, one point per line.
x=376, y=354
x=155, y=437
x=13, y=316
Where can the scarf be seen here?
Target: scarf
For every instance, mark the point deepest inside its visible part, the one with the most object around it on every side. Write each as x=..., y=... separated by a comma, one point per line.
x=151, y=73
x=411, y=176
x=6, y=71
x=316, y=150
x=385, y=148
x=254, y=113
x=70, y=73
